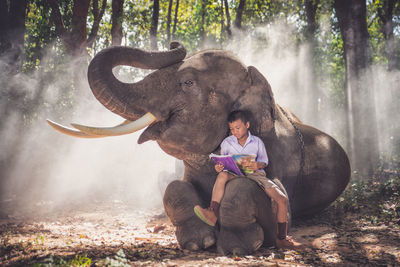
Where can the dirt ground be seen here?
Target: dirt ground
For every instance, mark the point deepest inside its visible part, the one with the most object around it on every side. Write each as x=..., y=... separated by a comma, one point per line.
x=113, y=234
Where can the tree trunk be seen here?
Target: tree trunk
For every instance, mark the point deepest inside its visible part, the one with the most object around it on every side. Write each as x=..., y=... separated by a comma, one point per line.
x=239, y=14
x=154, y=25
x=385, y=13
x=221, y=9
x=116, y=20
x=78, y=38
x=202, y=25
x=75, y=40
x=97, y=15
x=362, y=123
x=175, y=19
x=169, y=21
x=311, y=92
x=12, y=34
x=228, y=20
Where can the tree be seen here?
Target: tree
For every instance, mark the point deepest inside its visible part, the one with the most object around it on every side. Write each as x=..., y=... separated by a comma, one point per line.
x=154, y=25
x=352, y=20
x=75, y=40
x=222, y=19
x=313, y=95
x=169, y=21
x=175, y=19
x=97, y=16
x=116, y=20
x=228, y=19
x=203, y=22
x=12, y=31
x=385, y=13
x=239, y=14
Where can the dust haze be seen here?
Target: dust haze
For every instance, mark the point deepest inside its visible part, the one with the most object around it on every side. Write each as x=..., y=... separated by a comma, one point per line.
x=47, y=171
x=287, y=67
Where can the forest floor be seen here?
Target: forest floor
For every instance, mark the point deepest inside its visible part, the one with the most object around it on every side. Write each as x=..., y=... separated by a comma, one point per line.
x=114, y=235
x=361, y=228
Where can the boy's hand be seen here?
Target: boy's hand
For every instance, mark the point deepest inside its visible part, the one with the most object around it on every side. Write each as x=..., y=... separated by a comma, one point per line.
x=219, y=167
x=253, y=165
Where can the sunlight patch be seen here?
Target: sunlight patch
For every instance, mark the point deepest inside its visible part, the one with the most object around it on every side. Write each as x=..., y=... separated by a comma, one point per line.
x=327, y=241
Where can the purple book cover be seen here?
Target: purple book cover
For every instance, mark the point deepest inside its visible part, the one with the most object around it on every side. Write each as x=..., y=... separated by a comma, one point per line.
x=228, y=162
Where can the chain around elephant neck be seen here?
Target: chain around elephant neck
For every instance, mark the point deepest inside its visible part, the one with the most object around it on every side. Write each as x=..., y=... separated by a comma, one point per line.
x=301, y=143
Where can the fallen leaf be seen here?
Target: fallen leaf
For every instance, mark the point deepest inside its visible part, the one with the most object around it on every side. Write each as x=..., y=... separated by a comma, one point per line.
x=159, y=228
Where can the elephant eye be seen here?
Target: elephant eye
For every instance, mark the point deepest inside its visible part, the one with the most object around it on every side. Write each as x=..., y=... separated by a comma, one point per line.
x=189, y=83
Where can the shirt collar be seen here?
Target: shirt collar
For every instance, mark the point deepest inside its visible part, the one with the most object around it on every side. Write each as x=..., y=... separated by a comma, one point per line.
x=249, y=139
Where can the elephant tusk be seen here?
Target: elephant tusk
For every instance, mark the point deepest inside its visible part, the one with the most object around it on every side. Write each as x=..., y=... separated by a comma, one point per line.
x=69, y=131
x=124, y=128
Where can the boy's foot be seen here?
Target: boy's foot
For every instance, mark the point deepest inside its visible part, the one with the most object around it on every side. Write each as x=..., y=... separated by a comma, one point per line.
x=206, y=215
x=288, y=243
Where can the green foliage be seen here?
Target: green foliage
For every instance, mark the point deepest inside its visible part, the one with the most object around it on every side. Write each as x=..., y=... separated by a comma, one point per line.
x=329, y=60
x=39, y=37
x=119, y=260
x=78, y=261
x=375, y=28
x=378, y=198
x=137, y=22
x=265, y=12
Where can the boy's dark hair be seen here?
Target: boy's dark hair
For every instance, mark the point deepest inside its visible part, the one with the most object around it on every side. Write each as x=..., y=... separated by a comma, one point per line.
x=238, y=114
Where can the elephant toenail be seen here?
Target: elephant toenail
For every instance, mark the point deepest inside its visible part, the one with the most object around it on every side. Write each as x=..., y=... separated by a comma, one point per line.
x=257, y=244
x=208, y=241
x=192, y=246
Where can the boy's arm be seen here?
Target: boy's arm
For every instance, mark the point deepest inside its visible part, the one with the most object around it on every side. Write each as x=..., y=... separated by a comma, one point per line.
x=224, y=147
x=261, y=165
x=262, y=156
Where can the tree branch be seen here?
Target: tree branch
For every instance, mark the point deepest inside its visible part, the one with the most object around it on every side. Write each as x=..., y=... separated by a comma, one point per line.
x=57, y=19
x=97, y=18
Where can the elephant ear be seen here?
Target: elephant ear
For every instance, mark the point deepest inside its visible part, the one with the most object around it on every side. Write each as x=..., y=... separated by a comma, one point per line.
x=258, y=100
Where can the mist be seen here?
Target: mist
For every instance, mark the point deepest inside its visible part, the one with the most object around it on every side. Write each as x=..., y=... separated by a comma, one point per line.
x=48, y=171
x=287, y=67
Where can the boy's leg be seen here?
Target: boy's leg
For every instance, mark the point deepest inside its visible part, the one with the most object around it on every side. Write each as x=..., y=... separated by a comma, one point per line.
x=276, y=194
x=219, y=186
x=282, y=241
x=281, y=200
x=210, y=214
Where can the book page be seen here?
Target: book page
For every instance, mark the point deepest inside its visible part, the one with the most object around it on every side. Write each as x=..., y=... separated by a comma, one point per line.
x=240, y=158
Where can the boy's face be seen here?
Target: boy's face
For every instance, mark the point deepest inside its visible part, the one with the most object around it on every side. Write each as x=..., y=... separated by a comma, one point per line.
x=239, y=129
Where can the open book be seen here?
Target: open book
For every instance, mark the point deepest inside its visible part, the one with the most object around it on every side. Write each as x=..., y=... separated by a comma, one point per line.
x=233, y=163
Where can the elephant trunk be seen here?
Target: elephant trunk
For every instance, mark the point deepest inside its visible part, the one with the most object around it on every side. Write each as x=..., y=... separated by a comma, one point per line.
x=128, y=100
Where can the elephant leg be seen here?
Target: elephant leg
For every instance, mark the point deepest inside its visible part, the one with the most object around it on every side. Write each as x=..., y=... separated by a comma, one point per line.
x=246, y=218
x=240, y=241
x=179, y=199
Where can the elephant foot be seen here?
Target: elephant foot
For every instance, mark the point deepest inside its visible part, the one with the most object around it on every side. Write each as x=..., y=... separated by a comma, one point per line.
x=240, y=241
x=194, y=235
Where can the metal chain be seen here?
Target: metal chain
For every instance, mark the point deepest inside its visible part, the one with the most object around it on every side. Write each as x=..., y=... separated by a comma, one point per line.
x=301, y=143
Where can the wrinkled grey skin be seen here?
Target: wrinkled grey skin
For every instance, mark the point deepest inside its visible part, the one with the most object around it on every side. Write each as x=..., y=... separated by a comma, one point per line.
x=191, y=98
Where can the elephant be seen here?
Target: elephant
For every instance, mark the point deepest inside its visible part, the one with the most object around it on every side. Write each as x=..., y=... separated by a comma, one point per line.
x=184, y=103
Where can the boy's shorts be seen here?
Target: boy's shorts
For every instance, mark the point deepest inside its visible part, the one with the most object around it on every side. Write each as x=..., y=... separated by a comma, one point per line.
x=260, y=178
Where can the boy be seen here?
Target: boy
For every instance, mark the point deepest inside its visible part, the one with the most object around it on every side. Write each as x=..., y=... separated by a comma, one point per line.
x=242, y=141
